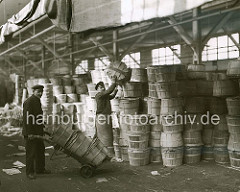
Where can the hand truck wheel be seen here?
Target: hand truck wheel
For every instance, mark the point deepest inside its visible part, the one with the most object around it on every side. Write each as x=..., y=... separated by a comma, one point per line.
x=86, y=171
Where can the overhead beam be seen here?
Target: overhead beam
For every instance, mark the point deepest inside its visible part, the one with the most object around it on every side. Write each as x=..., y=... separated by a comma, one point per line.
x=136, y=42
x=218, y=26
x=11, y=64
x=174, y=52
x=134, y=59
x=51, y=49
x=102, y=48
x=27, y=40
x=179, y=29
x=232, y=38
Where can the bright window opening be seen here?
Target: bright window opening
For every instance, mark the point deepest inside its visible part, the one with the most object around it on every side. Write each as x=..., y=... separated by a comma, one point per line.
x=132, y=60
x=82, y=67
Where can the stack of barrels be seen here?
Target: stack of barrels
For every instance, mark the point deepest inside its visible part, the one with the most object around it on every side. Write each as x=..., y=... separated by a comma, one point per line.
x=138, y=131
x=222, y=87
x=233, y=121
x=47, y=101
x=163, y=91
x=128, y=107
x=233, y=118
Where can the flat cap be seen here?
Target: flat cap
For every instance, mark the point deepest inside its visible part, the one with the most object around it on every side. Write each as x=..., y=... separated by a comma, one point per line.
x=38, y=87
x=99, y=83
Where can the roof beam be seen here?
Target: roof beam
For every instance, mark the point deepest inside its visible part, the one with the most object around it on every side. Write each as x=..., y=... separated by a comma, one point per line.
x=179, y=29
x=11, y=64
x=102, y=48
x=232, y=38
x=218, y=26
x=125, y=52
x=51, y=49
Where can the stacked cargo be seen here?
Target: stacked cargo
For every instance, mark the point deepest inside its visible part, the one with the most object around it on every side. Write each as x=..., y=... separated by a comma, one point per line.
x=222, y=88
x=233, y=118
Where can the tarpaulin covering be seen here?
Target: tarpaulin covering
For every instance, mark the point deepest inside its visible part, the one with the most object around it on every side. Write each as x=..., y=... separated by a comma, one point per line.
x=32, y=11
x=94, y=14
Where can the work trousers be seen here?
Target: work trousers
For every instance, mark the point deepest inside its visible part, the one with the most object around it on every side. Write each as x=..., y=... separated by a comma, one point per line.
x=35, y=155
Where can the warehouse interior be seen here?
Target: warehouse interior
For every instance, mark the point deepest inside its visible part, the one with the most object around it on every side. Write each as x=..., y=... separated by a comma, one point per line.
x=169, y=59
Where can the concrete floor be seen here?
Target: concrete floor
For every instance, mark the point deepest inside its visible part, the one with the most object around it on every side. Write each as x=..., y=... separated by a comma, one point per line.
x=115, y=177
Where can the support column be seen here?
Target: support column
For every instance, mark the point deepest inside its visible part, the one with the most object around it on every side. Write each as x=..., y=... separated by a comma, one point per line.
x=145, y=58
x=115, y=46
x=43, y=60
x=197, y=38
x=71, y=48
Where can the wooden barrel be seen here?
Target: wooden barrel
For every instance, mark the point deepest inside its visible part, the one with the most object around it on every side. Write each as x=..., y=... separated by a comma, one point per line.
x=207, y=153
x=167, y=90
x=132, y=89
x=123, y=140
x=233, y=69
x=154, y=142
x=81, y=89
x=151, y=71
x=192, y=138
x=171, y=140
x=72, y=98
x=61, y=98
x=138, y=75
x=181, y=71
x=171, y=106
x=222, y=125
x=224, y=88
x=234, y=142
x=207, y=137
x=165, y=74
x=172, y=124
x=115, y=104
x=193, y=122
x=78, y=81
x=57, y=90
x=43, y=81
x=234, y=158
x=152, y=90
x=56, y=108
x=119, y=70
x=220, y=138
x=79, y=107
x=218, y=106
x=138, y=124
x=129, y=105
x=233, y=123
x=154, y=106
x=138, y=157
x=192, y=154
x=115, y=122
x=221, y=155
x=124, y=153
x=195, y=105
x=143, y=105
x=233, y=105
x=68, y=89
x=68, y=108
x=172, y=157
x=139, y=141
x=67, y=81
x=196, y=71
x=155, y=155
x=205, y=88
x=56, y=81
x=156, y=127
x=61, y=135
x=190, y=88
x=91, y=90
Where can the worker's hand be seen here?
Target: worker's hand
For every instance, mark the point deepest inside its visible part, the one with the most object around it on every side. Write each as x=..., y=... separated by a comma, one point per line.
x=114, y=79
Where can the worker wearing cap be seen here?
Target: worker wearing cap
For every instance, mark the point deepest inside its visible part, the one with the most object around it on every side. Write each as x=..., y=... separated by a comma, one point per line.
x=103, y=114
x=33, y=128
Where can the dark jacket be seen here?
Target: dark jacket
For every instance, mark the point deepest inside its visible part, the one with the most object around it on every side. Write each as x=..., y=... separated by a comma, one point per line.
x=103, y=100
x=32, y=116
